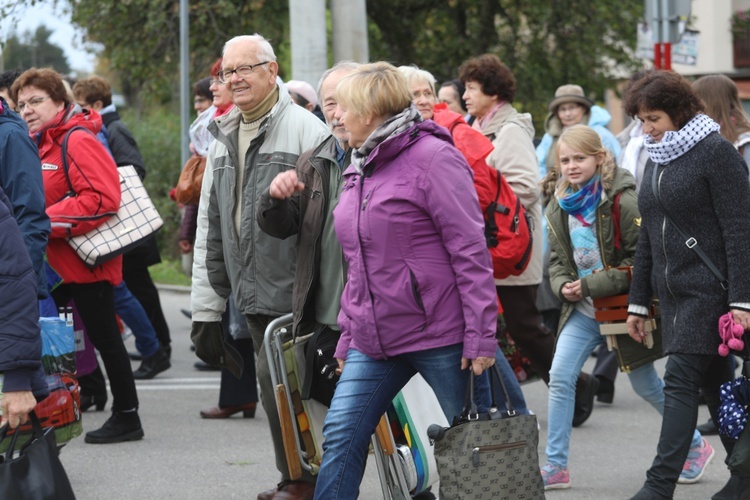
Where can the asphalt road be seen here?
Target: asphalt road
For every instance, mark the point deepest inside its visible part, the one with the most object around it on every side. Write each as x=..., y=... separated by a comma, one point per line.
x=185, y=457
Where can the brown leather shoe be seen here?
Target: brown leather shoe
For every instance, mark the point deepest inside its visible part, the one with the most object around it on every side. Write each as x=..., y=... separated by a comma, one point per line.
x=248, y=411
x=289, y=490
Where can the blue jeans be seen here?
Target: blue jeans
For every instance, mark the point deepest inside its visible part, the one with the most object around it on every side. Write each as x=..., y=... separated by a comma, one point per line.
x=511, y=385
x=363, y=394
x=132, y=313
x=578, y=338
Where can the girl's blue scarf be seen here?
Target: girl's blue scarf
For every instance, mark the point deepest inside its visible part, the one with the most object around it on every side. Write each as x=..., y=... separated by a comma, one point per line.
x=582, y=203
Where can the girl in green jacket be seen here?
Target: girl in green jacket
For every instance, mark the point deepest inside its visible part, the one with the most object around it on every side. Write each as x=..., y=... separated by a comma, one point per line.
x=582, y=239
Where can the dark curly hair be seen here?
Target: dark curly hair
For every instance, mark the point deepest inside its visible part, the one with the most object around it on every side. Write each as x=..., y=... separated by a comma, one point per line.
x=490, y=72
x=666, y=91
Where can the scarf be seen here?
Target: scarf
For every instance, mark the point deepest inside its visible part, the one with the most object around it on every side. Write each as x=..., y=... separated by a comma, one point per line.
x=675, y=144
x=488, y=117
x=262, y=109
x=393, y=126
x=633, y=149
x=582, y=203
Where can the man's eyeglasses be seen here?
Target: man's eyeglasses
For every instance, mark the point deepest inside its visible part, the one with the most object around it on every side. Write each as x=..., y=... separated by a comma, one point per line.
x=242, y=71
x=33, y=103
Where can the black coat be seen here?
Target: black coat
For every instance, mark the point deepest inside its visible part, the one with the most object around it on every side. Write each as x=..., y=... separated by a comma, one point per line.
x=706, y=191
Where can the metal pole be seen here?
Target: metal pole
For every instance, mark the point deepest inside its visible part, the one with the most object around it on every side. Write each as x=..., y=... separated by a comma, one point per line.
x=184, y=82
x=307, y=22
x=349, y=20
x=666, y=55
x=655, y=9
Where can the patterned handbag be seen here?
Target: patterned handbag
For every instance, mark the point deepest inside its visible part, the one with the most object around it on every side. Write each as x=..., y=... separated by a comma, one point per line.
x=136, y=218
x=488, y=456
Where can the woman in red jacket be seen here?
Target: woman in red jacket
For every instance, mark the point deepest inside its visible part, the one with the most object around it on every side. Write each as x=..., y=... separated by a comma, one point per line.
x=77, y=202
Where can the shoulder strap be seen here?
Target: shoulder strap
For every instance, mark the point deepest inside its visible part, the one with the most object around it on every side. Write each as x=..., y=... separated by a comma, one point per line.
x=690, y=242
x=64, y=148
x=616, y=220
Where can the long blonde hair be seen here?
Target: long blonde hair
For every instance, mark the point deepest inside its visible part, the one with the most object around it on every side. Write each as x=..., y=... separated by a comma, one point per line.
x=720, y=95
x=584, y=139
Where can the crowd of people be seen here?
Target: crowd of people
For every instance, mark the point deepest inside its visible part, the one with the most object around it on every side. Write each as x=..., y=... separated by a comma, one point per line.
x=353, y=206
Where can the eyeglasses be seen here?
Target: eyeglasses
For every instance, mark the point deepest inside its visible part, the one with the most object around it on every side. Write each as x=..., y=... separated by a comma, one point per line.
x=33, y=103
x=242, y=71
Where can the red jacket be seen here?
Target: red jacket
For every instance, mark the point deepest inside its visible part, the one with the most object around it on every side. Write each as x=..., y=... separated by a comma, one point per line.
x=94, y=178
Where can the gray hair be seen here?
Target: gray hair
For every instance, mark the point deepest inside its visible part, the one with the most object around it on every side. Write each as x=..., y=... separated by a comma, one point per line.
x=265, y=51
x=414, y=73
x=339, y=66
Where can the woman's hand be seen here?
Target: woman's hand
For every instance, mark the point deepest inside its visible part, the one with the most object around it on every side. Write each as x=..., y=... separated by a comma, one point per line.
x=285, y=184
x=341, y=366
x=572, y=291
x=478, y=365
x=16, y=406
x=741, y=318
x=636, y=327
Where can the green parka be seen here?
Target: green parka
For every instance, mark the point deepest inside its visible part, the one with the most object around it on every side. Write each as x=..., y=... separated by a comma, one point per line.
x=562, y=266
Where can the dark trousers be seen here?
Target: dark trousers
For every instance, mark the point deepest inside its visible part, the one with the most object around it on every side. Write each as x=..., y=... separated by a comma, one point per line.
x=96, y=305
x=525, y=327
x=685, y=374
x=238, y=391
x=136, y=276
x=606, y=364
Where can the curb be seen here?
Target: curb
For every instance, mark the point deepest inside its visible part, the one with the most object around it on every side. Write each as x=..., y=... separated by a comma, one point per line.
x=172, y=288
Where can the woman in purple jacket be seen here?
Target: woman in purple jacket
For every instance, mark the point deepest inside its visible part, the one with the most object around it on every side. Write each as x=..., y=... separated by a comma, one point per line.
x=419, y=296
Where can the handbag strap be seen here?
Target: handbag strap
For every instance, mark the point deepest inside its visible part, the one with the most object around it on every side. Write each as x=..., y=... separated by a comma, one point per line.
x=36, y=427
x=690, y=242
x=470, y=411
x=64, y=148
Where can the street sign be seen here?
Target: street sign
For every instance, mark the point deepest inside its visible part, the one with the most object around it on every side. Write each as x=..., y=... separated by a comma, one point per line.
x=686, y=52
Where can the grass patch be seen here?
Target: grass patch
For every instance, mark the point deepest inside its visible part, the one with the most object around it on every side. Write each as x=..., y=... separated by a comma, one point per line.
x=169, y=272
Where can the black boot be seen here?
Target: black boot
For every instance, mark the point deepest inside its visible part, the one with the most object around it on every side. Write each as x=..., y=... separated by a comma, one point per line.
x=152, y=365
x=586, y=389
x=121, y=426
x=737, y=488
x=96, y=400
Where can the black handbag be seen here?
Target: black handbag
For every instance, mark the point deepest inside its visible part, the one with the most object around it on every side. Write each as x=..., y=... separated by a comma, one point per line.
x=489, y=456
x=36, y=472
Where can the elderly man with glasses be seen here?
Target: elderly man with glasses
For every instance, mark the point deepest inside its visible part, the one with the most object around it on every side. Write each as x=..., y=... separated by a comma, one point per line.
x=261, y=137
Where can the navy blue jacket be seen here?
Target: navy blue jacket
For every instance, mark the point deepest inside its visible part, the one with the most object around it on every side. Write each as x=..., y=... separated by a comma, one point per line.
x=20, y=337
x=21, y=180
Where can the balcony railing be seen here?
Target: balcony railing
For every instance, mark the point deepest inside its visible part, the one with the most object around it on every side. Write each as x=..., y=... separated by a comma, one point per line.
x=742, y=50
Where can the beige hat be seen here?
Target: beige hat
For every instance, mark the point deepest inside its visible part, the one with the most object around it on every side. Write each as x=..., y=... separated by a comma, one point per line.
x=569, y=93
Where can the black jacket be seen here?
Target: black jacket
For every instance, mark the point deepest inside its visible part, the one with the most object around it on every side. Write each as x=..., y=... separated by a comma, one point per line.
x=706, y=191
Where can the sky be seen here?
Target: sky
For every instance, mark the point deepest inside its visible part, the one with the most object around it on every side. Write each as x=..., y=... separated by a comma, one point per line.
x=64, y=35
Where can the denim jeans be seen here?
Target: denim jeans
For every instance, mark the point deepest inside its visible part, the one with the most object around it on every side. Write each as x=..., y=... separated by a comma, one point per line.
x=578, y=338
x=132, y=313
x=363, y=394
x=511, y=385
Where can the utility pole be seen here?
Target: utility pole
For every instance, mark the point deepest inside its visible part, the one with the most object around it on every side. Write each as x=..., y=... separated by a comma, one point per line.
x=349, y=19
x=307, y=21
x=184, y=81
x=667, y=18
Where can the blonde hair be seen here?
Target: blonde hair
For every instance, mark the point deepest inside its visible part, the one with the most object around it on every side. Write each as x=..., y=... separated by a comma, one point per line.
x=583, y=139
x=374, y=90
x=719, y=94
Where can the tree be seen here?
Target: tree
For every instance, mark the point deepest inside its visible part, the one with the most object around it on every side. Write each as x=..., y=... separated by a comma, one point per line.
x=34, y=49
x=545, y=43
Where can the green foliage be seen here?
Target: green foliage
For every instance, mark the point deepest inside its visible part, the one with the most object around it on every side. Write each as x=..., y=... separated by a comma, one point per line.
x=169, y=272
x=157, y=133
x=546, y=44
x=34, y=49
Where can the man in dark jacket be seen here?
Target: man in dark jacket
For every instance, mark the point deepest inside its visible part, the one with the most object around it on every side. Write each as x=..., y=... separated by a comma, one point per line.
x=21, y=377
x=21, y=179
x=288, y=208
x=95, y=93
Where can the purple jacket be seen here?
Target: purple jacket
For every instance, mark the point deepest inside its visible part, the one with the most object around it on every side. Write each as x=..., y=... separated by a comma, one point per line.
x=419, y=273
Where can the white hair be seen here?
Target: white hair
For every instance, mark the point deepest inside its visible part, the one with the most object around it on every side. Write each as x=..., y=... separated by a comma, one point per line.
x=265, y=51
x=339, y=66
x=414, y=73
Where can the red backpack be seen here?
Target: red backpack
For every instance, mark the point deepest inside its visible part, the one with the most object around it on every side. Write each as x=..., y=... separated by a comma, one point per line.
x=507, y=226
